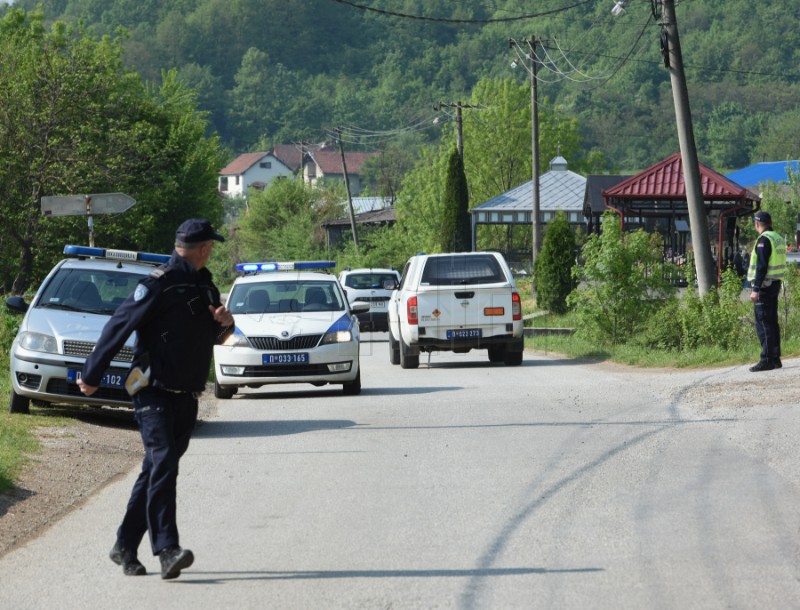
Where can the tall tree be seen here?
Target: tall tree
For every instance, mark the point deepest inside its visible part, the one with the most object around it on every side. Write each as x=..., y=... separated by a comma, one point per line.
x=553, y=272
x=455, y=226
x=73, y=120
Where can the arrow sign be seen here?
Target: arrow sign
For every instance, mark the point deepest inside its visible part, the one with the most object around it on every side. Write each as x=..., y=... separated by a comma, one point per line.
x=85, y=205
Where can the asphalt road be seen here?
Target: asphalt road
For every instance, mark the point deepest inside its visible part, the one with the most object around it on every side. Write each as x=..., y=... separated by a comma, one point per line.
x=464, y=485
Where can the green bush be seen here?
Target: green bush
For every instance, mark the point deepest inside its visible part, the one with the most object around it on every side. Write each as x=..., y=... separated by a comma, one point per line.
x=621, y=283
x=554, y=264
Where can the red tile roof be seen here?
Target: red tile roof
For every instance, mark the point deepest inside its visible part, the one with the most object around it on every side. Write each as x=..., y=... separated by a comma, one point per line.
x=291, y=154
x=242, y=163
x=664, y=180
x=330, y=162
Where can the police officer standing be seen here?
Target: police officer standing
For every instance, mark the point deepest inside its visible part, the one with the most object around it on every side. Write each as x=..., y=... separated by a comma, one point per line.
x=177, y=315
x=765, y=274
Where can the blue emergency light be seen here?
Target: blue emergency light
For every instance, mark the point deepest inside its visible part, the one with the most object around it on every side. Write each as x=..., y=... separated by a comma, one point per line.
x=118, y=255
x=286, y=266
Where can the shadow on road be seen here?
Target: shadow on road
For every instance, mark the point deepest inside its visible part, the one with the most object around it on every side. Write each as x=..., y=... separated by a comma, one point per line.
x=253, y=428
x=219, y=577
x=98, y=416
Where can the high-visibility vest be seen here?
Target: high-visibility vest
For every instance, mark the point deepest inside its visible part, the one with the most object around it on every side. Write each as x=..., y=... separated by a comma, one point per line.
x=776, y=266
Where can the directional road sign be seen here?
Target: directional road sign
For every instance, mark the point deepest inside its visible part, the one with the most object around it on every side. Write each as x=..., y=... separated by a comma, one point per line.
x=86, y=205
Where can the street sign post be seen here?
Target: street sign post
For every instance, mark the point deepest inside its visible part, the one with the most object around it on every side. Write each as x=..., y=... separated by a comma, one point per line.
x=87, y=205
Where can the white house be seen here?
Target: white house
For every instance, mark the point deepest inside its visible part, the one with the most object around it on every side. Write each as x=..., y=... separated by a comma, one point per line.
x=255, y=170
x=316, y=161
x=326, y=164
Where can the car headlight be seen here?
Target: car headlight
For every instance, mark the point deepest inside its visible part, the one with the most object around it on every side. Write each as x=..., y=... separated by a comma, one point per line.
x=38, y=342
x=236, y=340
x=337, y=336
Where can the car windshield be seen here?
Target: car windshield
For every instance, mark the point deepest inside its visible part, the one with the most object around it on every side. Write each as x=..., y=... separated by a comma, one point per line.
x=457, y=270
x=366, y=281
x=90, y=290
x=285, y=297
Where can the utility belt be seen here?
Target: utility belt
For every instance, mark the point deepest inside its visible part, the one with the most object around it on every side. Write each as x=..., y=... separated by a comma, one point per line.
x=139, y=379
x=155, y=383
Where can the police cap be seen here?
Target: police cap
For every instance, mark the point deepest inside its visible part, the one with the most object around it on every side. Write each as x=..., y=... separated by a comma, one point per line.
x=195, y=230
x=763, y=217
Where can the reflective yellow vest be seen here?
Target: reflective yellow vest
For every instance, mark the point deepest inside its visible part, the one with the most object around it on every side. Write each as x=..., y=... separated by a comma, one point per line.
x=776, y=266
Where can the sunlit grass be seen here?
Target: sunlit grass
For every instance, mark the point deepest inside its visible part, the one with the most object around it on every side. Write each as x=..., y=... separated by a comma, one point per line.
x=703, y=357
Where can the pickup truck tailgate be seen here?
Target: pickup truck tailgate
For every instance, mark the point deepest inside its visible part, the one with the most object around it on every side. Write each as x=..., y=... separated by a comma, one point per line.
x=463, y=312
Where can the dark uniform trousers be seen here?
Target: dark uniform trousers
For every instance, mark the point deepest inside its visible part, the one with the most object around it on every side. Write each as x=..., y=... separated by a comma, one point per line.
x=166, y=420
x=766, y=316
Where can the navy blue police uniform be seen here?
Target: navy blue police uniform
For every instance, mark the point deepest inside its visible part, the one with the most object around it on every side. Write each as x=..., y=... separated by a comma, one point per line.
x=175, y=335
x=766, y=271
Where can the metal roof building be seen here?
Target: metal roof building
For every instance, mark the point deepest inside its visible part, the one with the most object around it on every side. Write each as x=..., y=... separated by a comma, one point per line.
x=560, y=190
x=655, y=199
x=769, y=171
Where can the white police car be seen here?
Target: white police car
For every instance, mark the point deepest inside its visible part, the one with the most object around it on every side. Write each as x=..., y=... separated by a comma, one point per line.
x=293, y=325
x=63, y=323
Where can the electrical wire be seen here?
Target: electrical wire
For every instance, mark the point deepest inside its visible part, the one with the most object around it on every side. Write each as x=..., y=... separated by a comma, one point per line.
x=462, y=21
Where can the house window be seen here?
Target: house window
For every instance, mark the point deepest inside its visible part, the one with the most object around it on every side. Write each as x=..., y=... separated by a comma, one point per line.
x=265, y=165
x=237, y=180
x=223, y=183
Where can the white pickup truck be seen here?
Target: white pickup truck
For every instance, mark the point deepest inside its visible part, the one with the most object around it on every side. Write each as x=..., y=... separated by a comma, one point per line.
x=455, y=302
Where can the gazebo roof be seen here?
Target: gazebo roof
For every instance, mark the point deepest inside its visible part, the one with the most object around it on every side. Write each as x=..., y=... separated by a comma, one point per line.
x=665, y=180
x=559, y=189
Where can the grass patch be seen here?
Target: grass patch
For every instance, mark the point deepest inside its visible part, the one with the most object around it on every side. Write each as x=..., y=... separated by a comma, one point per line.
x=575, y=347
x=17, y=442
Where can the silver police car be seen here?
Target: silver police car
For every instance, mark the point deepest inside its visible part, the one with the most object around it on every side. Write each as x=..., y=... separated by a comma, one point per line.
x=63, y=323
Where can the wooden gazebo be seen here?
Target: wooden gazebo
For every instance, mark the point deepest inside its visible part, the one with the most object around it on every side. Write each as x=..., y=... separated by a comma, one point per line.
x=655, y=199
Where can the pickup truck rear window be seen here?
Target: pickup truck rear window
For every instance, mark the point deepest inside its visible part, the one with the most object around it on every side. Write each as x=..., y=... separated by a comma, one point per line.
x=458, y=270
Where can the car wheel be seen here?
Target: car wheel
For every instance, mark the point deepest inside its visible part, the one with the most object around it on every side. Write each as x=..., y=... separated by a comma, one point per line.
x=514, y=358
x=223, y=392
x=353, y=388
x=394, y=350
x=408, y=360
x=497, y=353
x=19, y=404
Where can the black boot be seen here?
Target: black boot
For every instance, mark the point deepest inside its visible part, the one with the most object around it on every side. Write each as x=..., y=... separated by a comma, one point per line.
x=763, y=365
x=128, y=560
x=173, y=560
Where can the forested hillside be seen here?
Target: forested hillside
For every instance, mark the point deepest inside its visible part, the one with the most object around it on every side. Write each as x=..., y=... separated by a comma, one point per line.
x=288, y=70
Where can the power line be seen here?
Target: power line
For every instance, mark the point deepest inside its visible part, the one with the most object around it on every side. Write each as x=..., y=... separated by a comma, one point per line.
x=465, y=21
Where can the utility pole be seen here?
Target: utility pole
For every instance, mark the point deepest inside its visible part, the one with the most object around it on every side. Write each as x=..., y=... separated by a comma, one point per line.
x=459, y=123
x=698, y=222
x=536, y=225
x=347, y=187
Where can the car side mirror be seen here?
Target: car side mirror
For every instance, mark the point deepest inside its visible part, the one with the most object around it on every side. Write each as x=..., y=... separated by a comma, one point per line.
x=359, y=307
x=17, y=304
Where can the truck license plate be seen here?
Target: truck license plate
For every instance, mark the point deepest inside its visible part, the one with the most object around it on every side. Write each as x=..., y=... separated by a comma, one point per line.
x=464, y=333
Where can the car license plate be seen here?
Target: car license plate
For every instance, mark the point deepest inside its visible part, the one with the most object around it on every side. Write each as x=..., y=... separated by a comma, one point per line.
x=109, y=380
x=301, y=358
x=464, y=333
x=378, y=304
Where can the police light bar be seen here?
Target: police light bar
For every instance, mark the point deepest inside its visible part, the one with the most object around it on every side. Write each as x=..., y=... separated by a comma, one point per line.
x=288, y=266
x=119, y=255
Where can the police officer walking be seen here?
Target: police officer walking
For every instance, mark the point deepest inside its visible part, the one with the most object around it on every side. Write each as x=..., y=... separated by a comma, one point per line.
x=177, y=315
x=765, y=274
